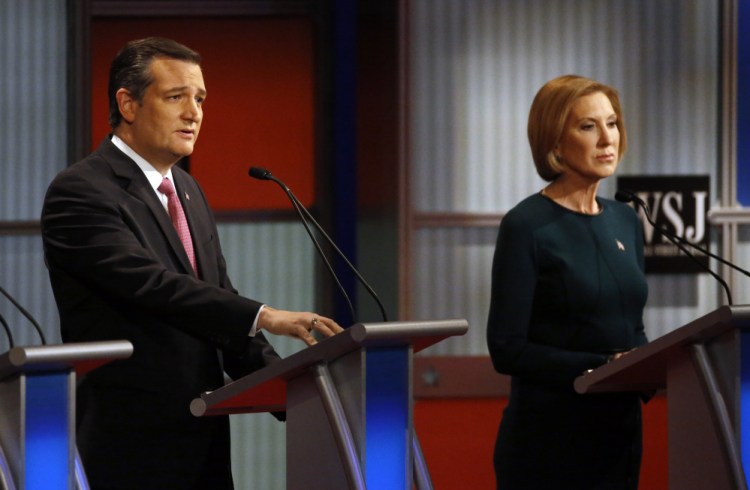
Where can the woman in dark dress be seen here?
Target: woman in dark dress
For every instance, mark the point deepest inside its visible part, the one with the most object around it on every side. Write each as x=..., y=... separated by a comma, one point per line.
x=568, y=292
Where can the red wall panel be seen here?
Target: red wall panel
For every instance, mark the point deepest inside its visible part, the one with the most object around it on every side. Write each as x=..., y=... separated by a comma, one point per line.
x=260, y=106
x=458, y=439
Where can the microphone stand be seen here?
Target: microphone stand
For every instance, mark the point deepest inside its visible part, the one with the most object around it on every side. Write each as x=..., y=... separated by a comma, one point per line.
x=298, y=207
x=679, y=242
x=346, y=260
x=7, y=331
x=263, y=174
x=26, y=314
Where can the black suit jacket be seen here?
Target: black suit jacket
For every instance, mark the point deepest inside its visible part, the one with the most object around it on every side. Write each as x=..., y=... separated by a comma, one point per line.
x=119, y=271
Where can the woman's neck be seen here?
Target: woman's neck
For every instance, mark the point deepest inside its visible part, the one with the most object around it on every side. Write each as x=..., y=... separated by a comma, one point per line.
x=574, y=196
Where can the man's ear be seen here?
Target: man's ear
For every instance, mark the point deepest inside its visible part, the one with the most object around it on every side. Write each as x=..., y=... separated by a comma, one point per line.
x=127, y=104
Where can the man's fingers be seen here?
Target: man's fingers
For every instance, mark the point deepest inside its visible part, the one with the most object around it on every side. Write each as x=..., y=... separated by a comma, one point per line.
x=326, y=326
x=297, y=324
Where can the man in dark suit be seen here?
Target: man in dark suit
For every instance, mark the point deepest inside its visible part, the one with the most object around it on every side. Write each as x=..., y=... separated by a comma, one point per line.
x=127, y=262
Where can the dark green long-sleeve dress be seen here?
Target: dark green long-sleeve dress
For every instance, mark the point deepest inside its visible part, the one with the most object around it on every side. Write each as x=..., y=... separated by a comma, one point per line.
x=568, y=290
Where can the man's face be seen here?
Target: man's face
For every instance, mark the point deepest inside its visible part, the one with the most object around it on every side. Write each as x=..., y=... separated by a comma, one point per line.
x=165, y=125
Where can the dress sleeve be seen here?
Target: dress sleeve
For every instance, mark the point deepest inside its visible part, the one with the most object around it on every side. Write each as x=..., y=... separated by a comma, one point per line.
x=514, y=281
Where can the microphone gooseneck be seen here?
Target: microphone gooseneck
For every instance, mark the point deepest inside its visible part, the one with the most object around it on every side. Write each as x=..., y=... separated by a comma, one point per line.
x=346, y=260
x=11, y=344
x=25, y=313
x=627, y=196
x=304, y=214
x=263, y=174
x=679, y=242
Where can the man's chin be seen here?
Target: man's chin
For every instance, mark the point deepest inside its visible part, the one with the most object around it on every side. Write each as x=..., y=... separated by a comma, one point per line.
x=183, y=151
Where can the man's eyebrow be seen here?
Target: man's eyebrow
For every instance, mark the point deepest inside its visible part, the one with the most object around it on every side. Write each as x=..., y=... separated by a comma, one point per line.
x=183, y=88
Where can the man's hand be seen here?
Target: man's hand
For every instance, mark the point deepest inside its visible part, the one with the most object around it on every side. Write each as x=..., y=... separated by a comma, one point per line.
x=297, y=324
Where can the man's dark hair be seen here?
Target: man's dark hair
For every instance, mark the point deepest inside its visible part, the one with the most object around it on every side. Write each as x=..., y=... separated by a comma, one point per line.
x=131, y=68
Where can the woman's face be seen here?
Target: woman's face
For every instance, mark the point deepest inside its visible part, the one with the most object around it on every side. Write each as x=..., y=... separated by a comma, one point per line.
x=591, y=139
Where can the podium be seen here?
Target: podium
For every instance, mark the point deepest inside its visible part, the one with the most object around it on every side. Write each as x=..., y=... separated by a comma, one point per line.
x=348, y=402
x=37, y=412
x=705, y=368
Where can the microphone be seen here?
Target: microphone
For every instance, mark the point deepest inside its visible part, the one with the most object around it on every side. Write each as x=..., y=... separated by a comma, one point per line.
x=263, y=174
x=26, y=314
x=628, y=197
x=7, y=332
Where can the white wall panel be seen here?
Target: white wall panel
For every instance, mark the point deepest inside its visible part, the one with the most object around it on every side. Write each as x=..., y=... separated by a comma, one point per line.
x=477, y=65
x=273, y=263
x=475, y=68
x=742, y=292
x=32, y=103
x=455, y=283
x=32, y=151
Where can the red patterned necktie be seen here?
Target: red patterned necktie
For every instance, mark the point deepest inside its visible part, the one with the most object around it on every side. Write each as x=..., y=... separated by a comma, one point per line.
x=177, y=214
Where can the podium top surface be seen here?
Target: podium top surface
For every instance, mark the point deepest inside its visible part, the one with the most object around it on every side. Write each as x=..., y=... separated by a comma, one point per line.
x=645, y=369
x=265, y=390
x=83, y=357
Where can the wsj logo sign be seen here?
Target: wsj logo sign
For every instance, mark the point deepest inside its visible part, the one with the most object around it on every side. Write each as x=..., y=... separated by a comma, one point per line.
x=679, y=205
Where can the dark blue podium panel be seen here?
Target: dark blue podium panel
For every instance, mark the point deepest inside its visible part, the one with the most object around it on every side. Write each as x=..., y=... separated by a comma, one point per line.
x=388, y=425
x=48, y=448
x=745, y=398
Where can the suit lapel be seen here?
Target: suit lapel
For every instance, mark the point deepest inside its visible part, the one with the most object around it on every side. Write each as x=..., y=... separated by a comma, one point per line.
x=135, y=183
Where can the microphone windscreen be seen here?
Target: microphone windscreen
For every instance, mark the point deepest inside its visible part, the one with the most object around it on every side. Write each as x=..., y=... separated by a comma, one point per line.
x=624, y=196
x=259, y=173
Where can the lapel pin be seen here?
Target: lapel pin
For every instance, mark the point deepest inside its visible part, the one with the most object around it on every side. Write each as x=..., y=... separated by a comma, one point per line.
x=620, y=245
